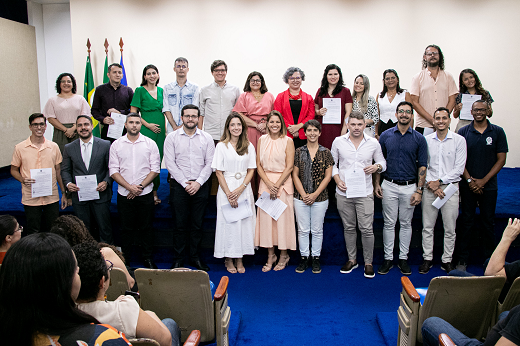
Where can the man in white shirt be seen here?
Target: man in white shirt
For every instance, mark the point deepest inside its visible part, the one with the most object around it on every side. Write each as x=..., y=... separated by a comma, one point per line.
x=356, y=151
x=178, y=94
x=134, y=163
x=217, y=101
x=446, y=162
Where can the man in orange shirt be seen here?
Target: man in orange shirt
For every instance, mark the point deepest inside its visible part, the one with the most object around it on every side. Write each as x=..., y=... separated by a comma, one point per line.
x=36, y=152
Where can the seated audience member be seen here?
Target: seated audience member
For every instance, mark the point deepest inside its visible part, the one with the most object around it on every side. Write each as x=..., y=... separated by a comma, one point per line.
x=124, y=313
x=73, y=230
x=39, y=284
x=10, y=233
x=506, y=332
x=497, y=263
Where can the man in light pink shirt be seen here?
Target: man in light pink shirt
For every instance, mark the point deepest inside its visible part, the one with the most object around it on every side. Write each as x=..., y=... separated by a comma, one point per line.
x=188, y=153
x=432, y=88
x=134, y=163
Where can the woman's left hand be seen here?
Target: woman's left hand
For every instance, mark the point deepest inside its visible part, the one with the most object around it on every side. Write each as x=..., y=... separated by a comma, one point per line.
x=309, y=199
x=70, y=132
x=154, y=127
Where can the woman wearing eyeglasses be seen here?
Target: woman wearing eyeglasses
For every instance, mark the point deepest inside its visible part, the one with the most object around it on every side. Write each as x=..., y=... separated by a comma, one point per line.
x=10, y=233
x=388, y=100
x=295, y=105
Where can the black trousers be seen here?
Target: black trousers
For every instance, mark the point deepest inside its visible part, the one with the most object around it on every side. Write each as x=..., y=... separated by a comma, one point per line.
x=189, y=216
x=136, y=222
x=40, y=218
x=486, y=203
x=91, y=214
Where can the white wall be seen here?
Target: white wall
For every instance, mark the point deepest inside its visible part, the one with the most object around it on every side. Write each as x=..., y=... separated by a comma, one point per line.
x=269, y=36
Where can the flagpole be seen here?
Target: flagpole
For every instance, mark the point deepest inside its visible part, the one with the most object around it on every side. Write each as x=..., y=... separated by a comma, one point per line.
x=105, y=70
x=123, y=80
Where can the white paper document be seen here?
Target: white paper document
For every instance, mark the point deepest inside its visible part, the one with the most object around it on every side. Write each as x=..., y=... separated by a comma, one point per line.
x=273, y=208
x=243, y=211
x=467, y=103
x=333, y=115
x=87, y=187
x=448, y=191
x=116, y=129
x=43, y=185
x=355, y=179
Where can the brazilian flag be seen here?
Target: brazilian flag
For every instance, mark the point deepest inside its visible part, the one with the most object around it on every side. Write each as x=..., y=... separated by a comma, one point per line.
x=88, y=94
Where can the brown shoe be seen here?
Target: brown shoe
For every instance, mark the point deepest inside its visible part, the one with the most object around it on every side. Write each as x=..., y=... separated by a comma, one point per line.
x=348, y=267
x=369, y=271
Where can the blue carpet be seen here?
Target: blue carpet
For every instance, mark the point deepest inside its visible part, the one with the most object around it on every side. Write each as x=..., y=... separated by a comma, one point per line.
x=388, y=326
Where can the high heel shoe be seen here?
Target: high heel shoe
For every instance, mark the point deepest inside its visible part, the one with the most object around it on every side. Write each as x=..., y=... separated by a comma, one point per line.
x=268, y=266
x=282, y=263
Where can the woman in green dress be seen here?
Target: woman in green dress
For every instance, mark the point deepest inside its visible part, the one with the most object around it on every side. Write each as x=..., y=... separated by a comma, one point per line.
x=148, y=99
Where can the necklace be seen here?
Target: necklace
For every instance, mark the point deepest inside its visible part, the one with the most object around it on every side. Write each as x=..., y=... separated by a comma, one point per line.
x=296, y=97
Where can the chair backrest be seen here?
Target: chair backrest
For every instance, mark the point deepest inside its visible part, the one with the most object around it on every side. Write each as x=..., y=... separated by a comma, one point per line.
x=184, y=295
x=118, y=284
x=512, y=298
x=468, y=303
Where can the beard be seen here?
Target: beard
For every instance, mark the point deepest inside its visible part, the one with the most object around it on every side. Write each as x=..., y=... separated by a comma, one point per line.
x=87, y=135
x=190, y=127
x=432, y=63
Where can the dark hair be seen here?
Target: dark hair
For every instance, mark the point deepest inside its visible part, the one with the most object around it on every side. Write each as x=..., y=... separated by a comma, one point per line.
x=441, y=57
x=132, y=115
x=7, y=226
x=84, y=116
x=58, y=82
x=480, y=101
x=385, y=89
x=325, y=83
x=181, y=59
x=92, y=267
x=478, y=84
x=441, y=109
x=312, y=122
x=263, y=87
x=243, y=141
x=216, y=64
x=290, y=71
x=190, y=107
x=34, y=116
x=146, y=68
x=356, y=115
x=283, y=130
x=403, y=103
x=114, y=65
x=35, y=290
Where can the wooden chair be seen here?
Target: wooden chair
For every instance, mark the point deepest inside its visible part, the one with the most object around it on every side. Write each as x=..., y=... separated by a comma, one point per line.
x=185, y=296
x=445, y=340
x=467, y=303
x=192, y=340
x=118, y=284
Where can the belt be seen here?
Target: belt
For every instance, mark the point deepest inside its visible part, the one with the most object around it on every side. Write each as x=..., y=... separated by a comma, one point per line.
x=237, y=175
x=402, y=182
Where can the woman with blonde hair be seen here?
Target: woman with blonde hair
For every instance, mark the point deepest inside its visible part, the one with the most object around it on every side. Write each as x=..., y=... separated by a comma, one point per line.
x=364, y=103
x=234, y=162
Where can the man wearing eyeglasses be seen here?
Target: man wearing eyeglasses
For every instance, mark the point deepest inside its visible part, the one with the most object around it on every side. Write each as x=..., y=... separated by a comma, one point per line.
x=188, y=153
x=406, y=154
x=432, y=88
x=487, y=151
x=178, y=94
x=36, y=152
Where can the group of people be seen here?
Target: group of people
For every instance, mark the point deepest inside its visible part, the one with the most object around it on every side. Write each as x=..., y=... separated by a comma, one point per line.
x=286, y=148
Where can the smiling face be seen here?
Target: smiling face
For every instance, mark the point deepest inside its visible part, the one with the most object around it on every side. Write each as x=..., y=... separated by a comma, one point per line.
x=390, y=80
x=479, y=110
x=235, y=128
x=151, y=76
x=84, y=128
x=38, y=127
x=441, y=120
x=312, y=134
x=255, y=83
x=333, y=77
x=404, y=114
x=190, y=118
x=220, y=73
x=274, y=125
x=469, y=80
x=359, y=85
x=295, y=81
x=66, y=84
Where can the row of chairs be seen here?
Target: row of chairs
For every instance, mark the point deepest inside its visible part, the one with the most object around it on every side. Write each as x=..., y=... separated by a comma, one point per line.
x=181, y=294
x=469, y=304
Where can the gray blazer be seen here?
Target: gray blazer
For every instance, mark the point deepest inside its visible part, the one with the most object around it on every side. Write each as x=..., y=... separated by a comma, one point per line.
x=73, y=166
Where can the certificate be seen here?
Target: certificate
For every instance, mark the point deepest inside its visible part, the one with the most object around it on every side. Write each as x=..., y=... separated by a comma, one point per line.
x=243, y=211
x=273, y=208
x=43, y=185
x=355, y=179
x=448, y=191
x=116, y=129
x=87, y=185
x=467, y=103
x=333, y=115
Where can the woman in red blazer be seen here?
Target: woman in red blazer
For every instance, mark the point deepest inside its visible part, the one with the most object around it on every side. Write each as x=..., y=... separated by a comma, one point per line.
x=296, y=106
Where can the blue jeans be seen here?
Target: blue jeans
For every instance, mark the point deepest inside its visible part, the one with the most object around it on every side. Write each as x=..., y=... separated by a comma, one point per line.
x=174, y=331
x=310, y=221
x=434, y=326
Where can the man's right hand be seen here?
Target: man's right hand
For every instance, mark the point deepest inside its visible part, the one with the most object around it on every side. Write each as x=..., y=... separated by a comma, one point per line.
x=28, y=181
x=72, y=187
x=341, y=185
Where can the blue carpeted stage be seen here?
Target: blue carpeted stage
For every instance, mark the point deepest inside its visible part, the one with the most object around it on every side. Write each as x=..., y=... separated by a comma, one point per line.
x=286, y=308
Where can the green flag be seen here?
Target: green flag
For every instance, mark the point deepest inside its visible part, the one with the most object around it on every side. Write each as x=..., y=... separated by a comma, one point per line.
x=88, y=93
x=105, y=71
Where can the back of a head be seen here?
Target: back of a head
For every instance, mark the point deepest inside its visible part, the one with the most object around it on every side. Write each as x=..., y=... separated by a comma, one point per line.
x=92, y=268
x=35, y=289
x=72, y=229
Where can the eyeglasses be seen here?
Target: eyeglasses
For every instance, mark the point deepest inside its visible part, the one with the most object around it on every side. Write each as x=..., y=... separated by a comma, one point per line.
x=432, y=53
x=109, y=264
x=256, y=81
x=220, y=70
x=181, y=67
x=191, y=116
x=20, y=228
x=295, y=79
x=402, y=111
x=38, y=124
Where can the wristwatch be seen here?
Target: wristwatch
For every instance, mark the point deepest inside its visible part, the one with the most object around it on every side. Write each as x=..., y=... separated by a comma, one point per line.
x=440, y=181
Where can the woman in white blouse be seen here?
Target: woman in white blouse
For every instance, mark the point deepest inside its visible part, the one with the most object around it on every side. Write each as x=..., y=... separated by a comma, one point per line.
x=388, y=100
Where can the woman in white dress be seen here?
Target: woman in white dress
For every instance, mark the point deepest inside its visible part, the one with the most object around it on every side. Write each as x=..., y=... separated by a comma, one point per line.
x=235, y=163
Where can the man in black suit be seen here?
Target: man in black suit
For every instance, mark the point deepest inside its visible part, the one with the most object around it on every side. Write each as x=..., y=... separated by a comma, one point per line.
x=89, y=155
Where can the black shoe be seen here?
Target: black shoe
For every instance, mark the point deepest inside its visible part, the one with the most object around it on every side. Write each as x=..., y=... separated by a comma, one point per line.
x=448, y=267
x=177, y=264
x=385, y=267
x=304, y=264
x=316, y=267
x=405, y=268
x=199, y=265
x=348, y=267
x=150, y=264
x=425, y=267
x=369, y=271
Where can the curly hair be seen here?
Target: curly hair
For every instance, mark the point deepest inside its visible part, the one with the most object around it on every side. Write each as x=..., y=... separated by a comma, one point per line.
x=441, y=57
x=290, y=71
x=60, y=77
x=92, y=267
